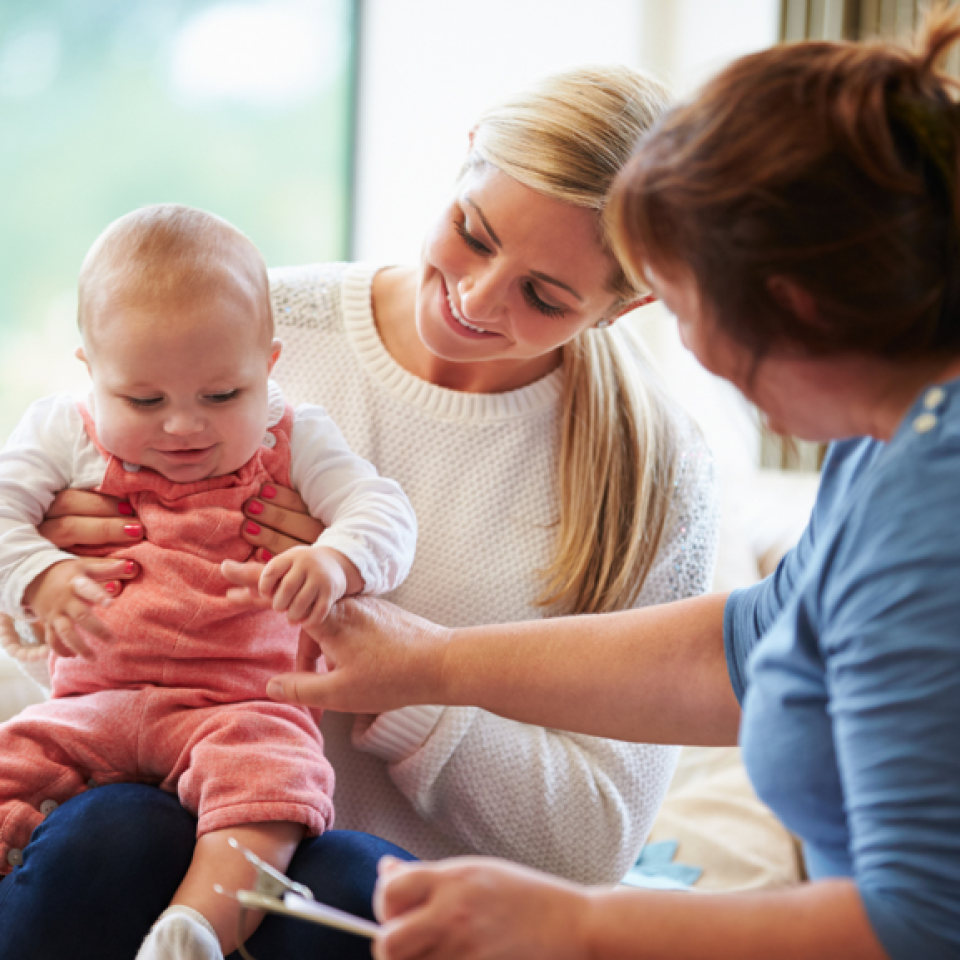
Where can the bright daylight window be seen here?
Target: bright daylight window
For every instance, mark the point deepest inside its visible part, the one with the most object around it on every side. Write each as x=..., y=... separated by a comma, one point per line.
x=243, y=108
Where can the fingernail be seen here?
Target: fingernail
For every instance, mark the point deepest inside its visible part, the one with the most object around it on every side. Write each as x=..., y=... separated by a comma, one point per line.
x=110, y=587
x=129, y=567
x=252, y=527
x=266, y=555
x=268, y=492
x=133, y=529
x=125, y=509
x=255, y=507
x=274, y=688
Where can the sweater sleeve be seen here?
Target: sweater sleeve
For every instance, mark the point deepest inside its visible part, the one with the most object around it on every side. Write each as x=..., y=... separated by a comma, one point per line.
x=368, y=518
x=576, y=806
x=35, y=464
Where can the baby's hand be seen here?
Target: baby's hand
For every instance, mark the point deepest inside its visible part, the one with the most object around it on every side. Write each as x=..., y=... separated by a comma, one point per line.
x=307, y=581
x=64, y=597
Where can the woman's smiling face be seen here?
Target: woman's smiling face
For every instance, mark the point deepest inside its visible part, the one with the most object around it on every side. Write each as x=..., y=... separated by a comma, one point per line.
x=509, y=275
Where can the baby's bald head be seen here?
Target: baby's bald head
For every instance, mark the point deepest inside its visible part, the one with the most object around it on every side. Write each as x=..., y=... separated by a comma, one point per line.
x=171, y=254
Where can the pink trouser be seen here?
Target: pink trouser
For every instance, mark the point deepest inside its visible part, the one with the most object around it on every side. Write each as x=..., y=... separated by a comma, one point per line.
x=230, y=763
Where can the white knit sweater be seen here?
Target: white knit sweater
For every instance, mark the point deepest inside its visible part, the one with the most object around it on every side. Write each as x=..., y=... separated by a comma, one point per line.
x=481, y=471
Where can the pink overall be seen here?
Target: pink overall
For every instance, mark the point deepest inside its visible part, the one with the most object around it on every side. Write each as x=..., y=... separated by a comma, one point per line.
x=177, y=698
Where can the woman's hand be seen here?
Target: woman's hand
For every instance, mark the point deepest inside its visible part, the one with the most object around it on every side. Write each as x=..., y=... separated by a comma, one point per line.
x=83, y=518
x=477, y=909
x=378, y=656
x=278, y=520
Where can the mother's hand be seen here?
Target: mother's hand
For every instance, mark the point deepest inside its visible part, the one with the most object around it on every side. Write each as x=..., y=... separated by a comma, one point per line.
x=83, y=518
x=277, y=520
x=478, y=909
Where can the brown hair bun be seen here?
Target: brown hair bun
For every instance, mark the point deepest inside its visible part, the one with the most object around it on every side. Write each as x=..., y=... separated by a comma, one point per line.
x=832, y=165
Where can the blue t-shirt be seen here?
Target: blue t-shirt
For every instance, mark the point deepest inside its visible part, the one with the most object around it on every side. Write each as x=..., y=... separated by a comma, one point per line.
x=847, y=664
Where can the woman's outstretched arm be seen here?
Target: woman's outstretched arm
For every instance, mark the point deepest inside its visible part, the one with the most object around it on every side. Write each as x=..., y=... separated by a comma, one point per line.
x=654, y=675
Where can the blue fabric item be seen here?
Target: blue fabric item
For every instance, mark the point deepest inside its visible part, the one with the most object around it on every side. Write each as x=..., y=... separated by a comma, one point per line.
x=847, y=663
x=102, y=867
x=656, y=870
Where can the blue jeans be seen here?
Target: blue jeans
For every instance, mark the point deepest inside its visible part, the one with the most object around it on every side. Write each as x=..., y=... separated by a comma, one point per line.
x=102, y=867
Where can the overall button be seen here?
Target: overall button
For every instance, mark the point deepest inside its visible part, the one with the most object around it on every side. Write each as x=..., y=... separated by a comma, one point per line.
x=48, y=806
x=934, y=397
x=15, y=856
x=924, y=423
x=269, y=440
x=131, y=467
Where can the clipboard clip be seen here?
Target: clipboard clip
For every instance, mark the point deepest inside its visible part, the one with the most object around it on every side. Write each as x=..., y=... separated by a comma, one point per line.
x=275, y=893
x=270, y=882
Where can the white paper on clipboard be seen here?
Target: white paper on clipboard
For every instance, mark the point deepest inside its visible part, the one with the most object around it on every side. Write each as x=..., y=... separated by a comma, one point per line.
x=329, y=916
x=293, y=905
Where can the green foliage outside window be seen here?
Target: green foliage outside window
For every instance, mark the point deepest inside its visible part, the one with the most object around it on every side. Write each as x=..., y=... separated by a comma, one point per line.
x=242, y=108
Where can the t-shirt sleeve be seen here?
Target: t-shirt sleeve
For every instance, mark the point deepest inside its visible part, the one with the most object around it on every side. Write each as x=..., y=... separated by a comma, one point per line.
x=892, y=653
x=751, y=612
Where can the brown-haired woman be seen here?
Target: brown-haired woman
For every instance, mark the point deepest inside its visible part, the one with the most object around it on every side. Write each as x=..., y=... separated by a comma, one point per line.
x=800, y=217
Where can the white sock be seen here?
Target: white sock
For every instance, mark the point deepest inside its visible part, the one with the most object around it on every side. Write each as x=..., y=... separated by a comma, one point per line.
x=181, y=933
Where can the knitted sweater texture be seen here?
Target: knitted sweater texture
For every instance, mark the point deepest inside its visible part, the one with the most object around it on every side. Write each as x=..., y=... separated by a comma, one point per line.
x=481, y=472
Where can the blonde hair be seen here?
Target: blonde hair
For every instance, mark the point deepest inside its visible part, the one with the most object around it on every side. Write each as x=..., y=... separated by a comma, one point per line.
x=171, y=251
x=567, y=139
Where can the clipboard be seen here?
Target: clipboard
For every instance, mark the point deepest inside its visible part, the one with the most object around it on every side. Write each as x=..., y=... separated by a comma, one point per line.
x=275, y=893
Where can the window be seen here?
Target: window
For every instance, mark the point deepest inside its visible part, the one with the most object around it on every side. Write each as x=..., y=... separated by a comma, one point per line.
x=242, y=108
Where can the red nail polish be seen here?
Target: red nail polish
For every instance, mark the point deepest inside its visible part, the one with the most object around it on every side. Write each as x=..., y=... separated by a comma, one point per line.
x=110, y=587
x=129, y=567
x=255, y=507
x=268, y=492
x=133, y=529
x=266, y=556
x=125, y=509
x=252, y=528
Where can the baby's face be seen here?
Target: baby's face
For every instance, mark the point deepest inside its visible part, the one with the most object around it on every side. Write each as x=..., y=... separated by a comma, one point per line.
x=180, y=388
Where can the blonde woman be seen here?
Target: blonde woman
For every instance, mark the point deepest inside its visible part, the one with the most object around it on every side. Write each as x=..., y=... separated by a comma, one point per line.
x=495, y=384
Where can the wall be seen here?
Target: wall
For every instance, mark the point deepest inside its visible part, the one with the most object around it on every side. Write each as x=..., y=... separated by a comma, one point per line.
x=430, y=67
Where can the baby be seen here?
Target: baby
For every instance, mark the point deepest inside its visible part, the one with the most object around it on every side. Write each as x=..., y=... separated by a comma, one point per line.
x=183, y=424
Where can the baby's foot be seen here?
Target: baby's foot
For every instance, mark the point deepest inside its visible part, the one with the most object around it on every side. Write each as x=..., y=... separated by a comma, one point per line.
x=181, y=933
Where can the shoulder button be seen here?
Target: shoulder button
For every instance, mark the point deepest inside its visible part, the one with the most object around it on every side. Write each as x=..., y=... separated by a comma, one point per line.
x=924, y=423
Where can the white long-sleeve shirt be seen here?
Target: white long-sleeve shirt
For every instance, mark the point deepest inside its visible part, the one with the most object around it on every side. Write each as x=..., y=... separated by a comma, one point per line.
x=368, y=517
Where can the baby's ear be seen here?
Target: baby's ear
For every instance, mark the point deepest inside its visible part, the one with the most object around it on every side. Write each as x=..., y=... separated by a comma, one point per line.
x=80, y=355
x=275, y=348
